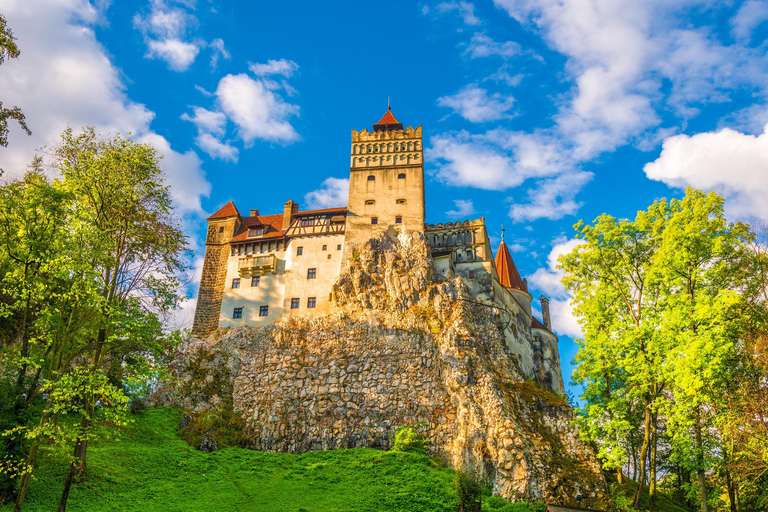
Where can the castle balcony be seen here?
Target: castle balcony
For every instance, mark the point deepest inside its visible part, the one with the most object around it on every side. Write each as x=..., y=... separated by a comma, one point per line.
x=254, y=265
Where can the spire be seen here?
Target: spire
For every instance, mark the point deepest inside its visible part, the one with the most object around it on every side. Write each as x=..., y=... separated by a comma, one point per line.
x=228, y=210
x=509, y=277
x=388, y=121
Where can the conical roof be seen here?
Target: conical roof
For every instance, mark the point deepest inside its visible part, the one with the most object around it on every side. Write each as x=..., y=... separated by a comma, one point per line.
x=228, y=210
x=388, y=122
x=505, y=266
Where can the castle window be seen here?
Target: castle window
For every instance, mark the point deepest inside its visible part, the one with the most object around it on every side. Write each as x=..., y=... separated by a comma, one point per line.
x=329, y=256
x=374, y=220
x=234, y=250
x=370, y=202
x=338, y=247
x=311, y=273
x=471, y=275
x=263, y=310
x=398, y=220
x=371, y=178
x=307, y=222
x=299, y=251
x=236, y=282
x=294, y=303
x=325, y=247
x=255, y=280
x=401, y=176
x=248, y=248
x=311, y=302
x=400, y=201
x=238, y=313
x=469, y=254
x=255, y=231
x=221, y=229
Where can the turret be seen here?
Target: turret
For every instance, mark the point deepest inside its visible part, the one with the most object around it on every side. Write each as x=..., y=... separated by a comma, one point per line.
x=510, y=278
x=545, y=312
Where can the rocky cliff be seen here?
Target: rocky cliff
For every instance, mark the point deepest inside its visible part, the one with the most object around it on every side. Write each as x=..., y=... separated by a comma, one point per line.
x=399, y=349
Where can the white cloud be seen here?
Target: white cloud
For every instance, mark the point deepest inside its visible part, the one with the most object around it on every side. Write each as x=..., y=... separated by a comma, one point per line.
x=464, y=208
x=552, y=198
x=465, y=9
x=282, y=67
x=547, y=281
x=211, y=126
x=219, y=51
x=483, y=46
x=477, y=106
x=207, y=120
x=333, y=192
x=751, y=14
x=165, y=29
x=216, y=148
x=257, y=110
x=178, y=54
x=732, y=163
x=65, y=78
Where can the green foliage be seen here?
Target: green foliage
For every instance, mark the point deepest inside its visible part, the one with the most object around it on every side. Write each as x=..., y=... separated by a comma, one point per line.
x=9, y=50
x=223, y=426
x=497, y=504
x=151, y=469
x=468, y=490
x=409, y=438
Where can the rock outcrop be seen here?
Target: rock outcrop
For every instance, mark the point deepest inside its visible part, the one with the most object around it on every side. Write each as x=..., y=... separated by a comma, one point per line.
x=399, y=349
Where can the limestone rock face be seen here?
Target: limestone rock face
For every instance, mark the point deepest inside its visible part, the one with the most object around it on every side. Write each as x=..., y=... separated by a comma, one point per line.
x=399, y=349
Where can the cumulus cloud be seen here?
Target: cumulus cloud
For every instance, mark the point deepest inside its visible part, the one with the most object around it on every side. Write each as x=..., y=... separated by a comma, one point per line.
x=476, y=105
x=65, y=78
x=218, y=51
x=257, y=109
x=732, y=163
x=465, y=9
x=165, y=28
x=211, y=126
x=751, y=14
x=551, y=198
x=282, y=67
x=547, y=281
x=333, y=192
x=482, y=45
x=464, y=208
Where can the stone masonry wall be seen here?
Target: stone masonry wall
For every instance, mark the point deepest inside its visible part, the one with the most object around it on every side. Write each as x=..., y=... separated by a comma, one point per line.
x=399, y=350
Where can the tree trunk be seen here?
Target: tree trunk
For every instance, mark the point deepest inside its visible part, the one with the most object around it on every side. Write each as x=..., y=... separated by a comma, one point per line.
x=29, y=465
x=652, y=474
x=73, y=466
x=700, y=461
x=643, y=455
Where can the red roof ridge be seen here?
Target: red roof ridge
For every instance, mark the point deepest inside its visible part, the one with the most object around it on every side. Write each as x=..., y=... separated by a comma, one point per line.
x=388, y=118
x=509, y=277
x=324, y=210
x=228, y=210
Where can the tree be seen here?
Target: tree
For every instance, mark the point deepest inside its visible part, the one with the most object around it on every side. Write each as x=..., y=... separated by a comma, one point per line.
x=9, y=50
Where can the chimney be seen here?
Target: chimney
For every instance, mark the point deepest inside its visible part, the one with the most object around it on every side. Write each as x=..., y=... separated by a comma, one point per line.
x=254, y=213
x=545, y=312
x=288, y=211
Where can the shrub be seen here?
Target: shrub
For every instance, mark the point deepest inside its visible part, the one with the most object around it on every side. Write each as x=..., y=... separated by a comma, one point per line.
x=409, y=439
x=469, y=491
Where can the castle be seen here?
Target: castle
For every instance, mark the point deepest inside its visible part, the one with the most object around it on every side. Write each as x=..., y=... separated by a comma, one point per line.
x=261, y=268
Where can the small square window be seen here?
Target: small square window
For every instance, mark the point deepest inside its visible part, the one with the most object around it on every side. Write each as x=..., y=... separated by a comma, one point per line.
x=371, y=178
x=471, y=274
x=307, y=222
x=325, y=247
x=294, y=303
x=299, y=251
x=338, y=247
x=311, y=302
x=236, y=282
x=311, y=273
x=221, y=229
x=255, y=280
x=398, y=220
x=238, y=313
x=329, y=256
x=374, y=220
x=264, y=311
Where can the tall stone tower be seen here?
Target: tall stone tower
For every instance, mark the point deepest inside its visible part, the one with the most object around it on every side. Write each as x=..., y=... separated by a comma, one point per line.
x=222, y=226
x=386, y=182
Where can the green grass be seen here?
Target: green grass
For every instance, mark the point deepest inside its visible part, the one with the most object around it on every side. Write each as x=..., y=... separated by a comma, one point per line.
x=664, y=503
x=151, y=469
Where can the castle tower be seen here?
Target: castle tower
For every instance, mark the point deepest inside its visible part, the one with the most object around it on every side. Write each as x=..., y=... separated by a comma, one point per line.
x=509, y=277
x=386, y=182
x=222, y=226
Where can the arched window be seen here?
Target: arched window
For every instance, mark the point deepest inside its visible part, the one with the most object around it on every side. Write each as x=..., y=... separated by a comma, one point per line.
x=399, y=201
x=370, y=202
x=401, y=176
x=371, y=178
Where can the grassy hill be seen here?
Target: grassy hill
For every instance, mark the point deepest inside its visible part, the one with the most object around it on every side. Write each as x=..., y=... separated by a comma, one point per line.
x=151, y=469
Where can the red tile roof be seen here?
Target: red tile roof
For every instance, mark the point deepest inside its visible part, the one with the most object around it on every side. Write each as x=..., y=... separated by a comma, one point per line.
x=388, y=118
x=273, y=223
x=228, y=210
x=341, y=209
x=505, y=266
x=535, y=324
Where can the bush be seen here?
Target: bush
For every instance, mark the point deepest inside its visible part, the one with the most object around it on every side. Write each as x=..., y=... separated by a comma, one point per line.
x=409, y=439
x=498, y=504
x=469, y=491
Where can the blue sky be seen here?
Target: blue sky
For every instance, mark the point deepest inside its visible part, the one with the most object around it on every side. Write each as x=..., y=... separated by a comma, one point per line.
x=536, y=113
